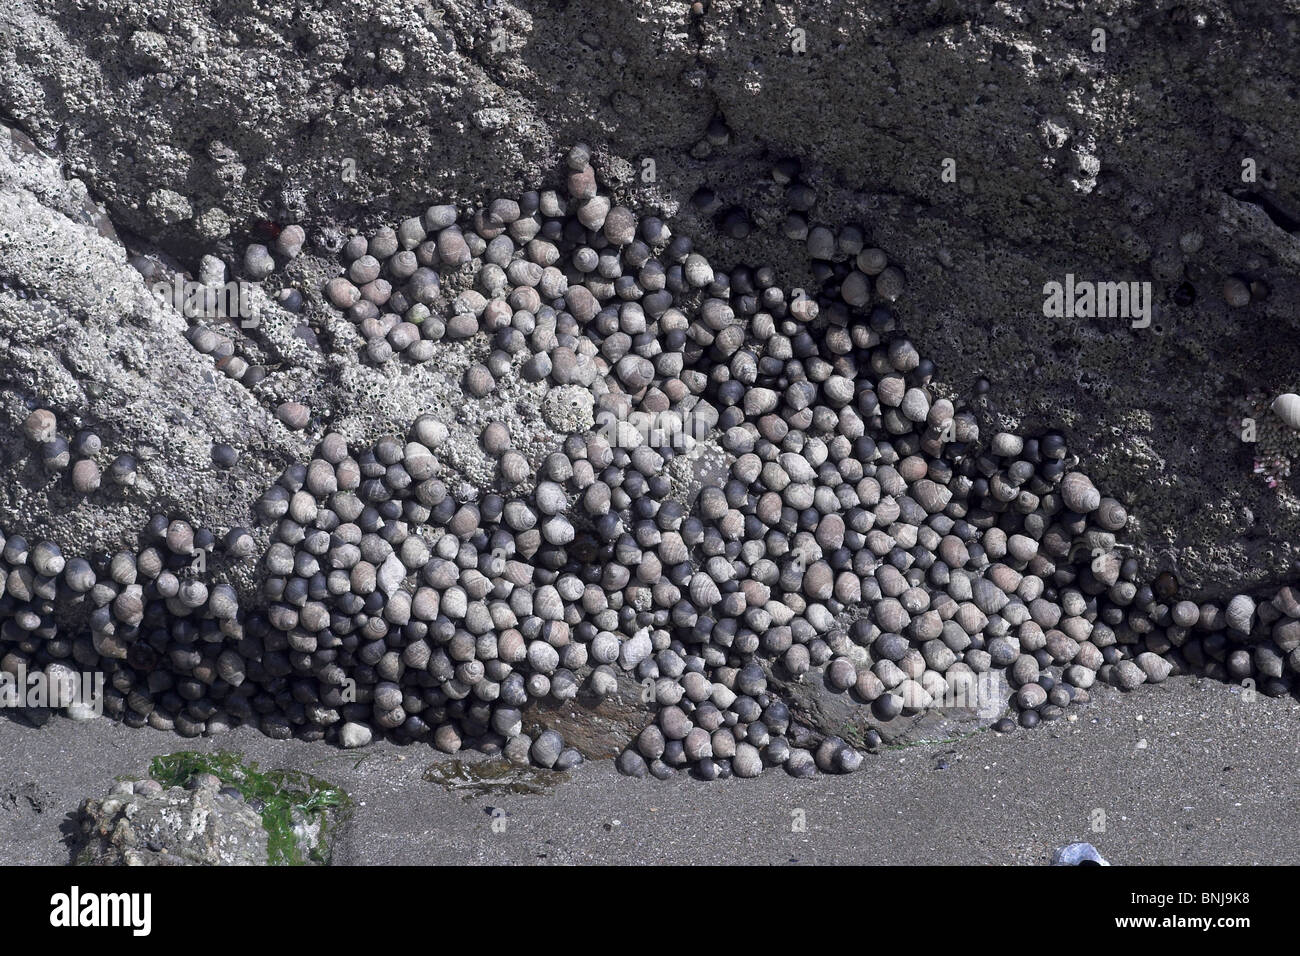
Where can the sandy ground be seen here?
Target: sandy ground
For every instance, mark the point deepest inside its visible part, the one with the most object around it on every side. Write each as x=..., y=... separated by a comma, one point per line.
x=1188, y=772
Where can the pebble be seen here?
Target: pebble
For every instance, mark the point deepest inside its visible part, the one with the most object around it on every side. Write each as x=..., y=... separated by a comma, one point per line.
x=352, y=735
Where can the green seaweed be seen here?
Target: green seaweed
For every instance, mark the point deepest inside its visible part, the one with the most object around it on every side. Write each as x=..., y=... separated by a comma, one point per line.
x=284, y=795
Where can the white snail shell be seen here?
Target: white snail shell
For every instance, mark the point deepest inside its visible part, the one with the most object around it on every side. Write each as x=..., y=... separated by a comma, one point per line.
x=1287, y=407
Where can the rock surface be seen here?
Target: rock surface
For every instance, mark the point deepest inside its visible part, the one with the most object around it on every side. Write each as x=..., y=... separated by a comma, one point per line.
x=143, y=824
x=831, y=712
x=1125, y=163
x=596, y=727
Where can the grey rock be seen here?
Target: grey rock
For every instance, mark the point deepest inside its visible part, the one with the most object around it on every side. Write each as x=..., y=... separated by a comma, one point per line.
x=353, y=735
x=175, y=826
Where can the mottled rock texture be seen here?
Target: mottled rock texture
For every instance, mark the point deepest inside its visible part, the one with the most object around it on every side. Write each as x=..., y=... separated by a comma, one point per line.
x=195, y=123
x=143, y=824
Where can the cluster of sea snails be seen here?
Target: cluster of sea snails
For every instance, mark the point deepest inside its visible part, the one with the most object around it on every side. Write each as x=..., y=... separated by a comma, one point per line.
x=219, y=313
x=773, y=491
x=79, y=457
x=392, y=288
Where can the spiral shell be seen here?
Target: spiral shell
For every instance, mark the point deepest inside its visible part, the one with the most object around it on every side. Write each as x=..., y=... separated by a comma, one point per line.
x=1240, y=613
x=931, y=496
x=988, y=597
x=230, y=667
x=672, y=549
x=891, y=389
x=1185, y=614
x=1079, y=493
x=1155, y=667
x=1286, y=634
x=78, y=574
x=970, y=618
x=1111, y=515
x=891, y=616
x=41, y=426
x=1021, y=547
x=841, y=674
x=838, y=389
x=547, y=604
x=1287, y=407
x=455, y=602
x=47, y=559
x=1005, y=578
x=223, y=602
x=514, y=468
x=704, y=591
x=1287, y=600
x=868, y=686
x=314, y=616
x=550, y=498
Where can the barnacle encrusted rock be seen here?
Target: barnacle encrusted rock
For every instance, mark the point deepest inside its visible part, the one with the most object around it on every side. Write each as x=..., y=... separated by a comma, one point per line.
x=142, y=823
x=1080, y=155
